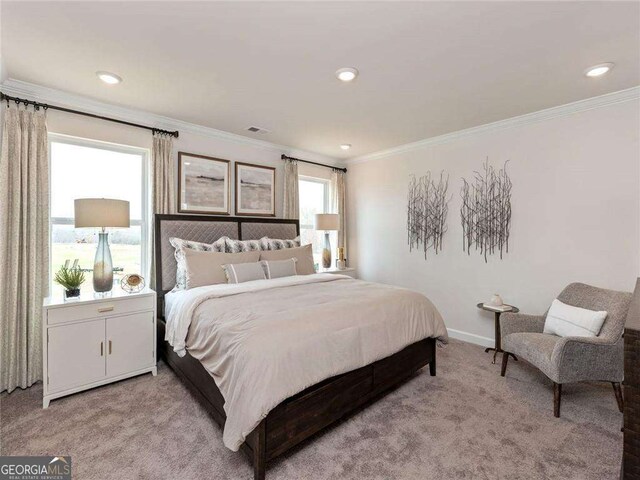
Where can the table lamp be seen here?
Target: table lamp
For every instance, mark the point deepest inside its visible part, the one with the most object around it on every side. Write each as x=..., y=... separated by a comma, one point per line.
x=102, y=213
x=329, y=222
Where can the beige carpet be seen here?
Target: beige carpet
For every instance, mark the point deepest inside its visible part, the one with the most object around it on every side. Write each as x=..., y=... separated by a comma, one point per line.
x=466, y=423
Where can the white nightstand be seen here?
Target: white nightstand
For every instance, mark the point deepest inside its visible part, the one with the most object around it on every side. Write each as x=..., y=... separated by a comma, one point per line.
x=347, y=271
x=94, y=341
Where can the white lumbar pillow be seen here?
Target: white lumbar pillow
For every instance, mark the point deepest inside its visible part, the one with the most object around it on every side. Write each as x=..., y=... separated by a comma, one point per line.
x=244, y=272
x=280, y=268
x=567, y=321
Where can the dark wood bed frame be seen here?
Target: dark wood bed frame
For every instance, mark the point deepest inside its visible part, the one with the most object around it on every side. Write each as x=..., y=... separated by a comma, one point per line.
x=306, y=413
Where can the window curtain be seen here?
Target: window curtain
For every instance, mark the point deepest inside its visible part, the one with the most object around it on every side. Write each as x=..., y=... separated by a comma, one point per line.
x=24, y=245
x=164, y=178
x=163, y=184
x=338, y=205
x=291, y=195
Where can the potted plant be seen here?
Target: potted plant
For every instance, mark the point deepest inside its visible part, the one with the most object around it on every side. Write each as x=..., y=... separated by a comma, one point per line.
x=70, y=278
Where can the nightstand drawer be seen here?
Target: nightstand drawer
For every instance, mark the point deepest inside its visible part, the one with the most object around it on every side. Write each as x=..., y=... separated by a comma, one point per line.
x=106, y=308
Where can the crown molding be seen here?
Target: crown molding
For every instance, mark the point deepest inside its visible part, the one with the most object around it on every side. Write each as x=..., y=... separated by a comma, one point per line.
x=39, y=93
x=621, y=96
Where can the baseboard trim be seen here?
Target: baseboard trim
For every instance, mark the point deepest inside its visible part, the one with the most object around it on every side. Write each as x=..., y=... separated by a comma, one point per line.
x=471, y=337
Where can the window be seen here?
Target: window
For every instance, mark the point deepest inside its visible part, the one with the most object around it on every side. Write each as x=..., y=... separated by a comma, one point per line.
x=314, y=198
x=90, y=169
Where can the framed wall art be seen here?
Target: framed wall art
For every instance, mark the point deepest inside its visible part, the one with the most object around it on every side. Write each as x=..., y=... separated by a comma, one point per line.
x=203, y=184
x=255, y=190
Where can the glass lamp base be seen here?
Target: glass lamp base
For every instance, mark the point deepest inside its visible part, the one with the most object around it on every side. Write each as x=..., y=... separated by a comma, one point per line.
x=103, y=265
x=326, y=252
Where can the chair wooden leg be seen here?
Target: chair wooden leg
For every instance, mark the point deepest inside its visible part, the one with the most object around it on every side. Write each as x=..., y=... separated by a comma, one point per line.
x=557, y=397
x=618, y=391
x=505, y=359
x=432, y=367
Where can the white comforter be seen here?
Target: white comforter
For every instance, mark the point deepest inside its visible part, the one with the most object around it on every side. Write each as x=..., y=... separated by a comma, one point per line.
x=266, y=340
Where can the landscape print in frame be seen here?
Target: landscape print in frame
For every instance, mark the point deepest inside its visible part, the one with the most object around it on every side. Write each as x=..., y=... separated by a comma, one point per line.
x=255, y=190
x=203, y=184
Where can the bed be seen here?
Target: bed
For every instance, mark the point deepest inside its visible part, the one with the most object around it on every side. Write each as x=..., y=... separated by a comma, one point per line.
x=296, y=417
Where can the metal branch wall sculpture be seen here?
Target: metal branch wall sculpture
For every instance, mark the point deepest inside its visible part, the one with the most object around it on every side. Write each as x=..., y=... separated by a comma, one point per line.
x=486, y=211
x=427, y=212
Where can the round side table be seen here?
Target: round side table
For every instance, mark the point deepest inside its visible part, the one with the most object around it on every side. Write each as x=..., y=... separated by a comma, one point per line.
x=498, y=344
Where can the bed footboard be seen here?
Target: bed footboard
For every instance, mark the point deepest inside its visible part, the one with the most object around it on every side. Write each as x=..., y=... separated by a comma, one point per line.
x=308, y=412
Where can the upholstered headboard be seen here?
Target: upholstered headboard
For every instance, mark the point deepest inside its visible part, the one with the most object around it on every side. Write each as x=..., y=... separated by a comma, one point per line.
x=207, y=229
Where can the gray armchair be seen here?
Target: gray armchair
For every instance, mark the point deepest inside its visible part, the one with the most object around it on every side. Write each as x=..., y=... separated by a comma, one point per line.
x=572, y=359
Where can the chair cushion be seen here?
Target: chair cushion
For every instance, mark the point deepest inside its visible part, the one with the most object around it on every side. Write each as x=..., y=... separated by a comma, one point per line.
x=536, y=348
x=600, y=299
x=569, y=321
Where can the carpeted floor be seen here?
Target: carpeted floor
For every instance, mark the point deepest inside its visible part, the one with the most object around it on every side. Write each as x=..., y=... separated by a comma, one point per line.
x=466, y=423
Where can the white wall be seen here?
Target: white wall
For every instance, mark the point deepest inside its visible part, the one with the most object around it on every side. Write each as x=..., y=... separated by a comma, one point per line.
x=68, y=124
x=576, y=215
x=3, y=69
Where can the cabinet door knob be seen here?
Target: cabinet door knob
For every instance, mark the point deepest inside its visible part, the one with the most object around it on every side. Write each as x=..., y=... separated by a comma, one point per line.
x=101, y=349
x=105, y=309
x=109, y=347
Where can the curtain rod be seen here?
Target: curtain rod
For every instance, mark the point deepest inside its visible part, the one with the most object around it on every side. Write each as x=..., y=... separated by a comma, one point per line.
x=286, y=157
x=45, y=106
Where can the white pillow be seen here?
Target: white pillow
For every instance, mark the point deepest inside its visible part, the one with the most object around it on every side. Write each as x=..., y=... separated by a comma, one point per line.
x=181, y=245
x=280, y=268
x=205, y=268
x=303, y=255
x=235, y=246
x=278, y=244
x=567, y=321
x=244, y=272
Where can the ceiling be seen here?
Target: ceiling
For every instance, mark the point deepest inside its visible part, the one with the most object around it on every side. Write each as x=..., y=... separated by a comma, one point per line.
x=426, y=68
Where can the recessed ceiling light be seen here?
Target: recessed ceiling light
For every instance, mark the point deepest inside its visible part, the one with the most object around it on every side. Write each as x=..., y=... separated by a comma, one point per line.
x=598, y=70
x=347, y=74
x=345, y=146
x=109, y=78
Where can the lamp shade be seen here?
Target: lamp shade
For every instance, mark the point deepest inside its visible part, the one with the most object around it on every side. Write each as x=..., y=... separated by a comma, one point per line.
x=327, y=221
x=101, y=212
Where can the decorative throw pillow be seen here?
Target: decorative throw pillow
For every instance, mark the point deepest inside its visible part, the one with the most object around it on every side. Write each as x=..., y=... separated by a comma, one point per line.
x=279, y=268
x=303, y=255
x=279, y=244
x=568, y=321
x=206, y=268
x=244, y=272
x=235, y=246
x=181, y=245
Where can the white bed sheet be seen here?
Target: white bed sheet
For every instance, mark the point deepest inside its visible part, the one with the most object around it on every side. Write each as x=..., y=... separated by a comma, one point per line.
x=266, y=340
